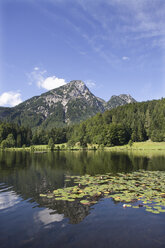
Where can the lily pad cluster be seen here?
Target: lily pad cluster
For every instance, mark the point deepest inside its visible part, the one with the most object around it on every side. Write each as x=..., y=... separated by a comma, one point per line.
x=138, y=189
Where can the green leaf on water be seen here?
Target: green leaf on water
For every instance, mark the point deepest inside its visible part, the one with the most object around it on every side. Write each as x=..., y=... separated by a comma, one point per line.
x=137, y=187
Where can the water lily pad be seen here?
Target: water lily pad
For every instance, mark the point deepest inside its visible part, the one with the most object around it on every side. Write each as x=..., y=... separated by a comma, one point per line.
x=85, y=202
x=43, y=195
x=145, y=188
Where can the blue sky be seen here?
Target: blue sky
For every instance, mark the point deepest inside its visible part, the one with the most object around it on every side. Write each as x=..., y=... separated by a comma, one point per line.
x=114, y=46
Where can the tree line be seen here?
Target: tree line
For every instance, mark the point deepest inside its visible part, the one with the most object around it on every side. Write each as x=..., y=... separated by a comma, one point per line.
x=13, y=135
x=131, y=122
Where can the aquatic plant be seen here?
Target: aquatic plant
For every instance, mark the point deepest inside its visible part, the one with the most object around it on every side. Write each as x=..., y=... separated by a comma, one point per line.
x=138, y=189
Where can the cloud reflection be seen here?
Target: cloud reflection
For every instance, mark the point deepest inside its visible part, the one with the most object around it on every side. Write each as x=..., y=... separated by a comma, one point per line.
x=46, y=217
x=8, y=199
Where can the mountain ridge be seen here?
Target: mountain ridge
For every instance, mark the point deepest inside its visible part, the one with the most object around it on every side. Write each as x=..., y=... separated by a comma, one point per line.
x=67, y=104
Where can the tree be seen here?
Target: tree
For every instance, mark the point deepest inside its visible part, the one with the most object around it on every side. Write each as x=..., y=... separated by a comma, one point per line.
x=112, y=135
x=134, y=136
x=98, y=139
x=71, y=143
x=4, y=144
x=8, y=142
x=147, y=123
x=123, y=135
x=82, y=138
x=51, y=144
x=130, y=143
x=19, y=140
x=35, y=139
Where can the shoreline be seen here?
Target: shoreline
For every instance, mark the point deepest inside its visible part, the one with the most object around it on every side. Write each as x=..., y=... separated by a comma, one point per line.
x=137, y=146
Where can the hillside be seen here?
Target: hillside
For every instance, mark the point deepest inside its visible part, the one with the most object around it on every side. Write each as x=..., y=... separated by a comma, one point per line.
x=136, y=122
x=129, y=123
x=65, y=105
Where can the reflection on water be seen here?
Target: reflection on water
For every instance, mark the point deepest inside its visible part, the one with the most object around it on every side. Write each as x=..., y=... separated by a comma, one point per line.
x=46, y=216
x=8, y=199
x=23, y=213
x=74, y=211
x=31, y=174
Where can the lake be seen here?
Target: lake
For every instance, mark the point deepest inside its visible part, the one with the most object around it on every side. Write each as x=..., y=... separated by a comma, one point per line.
x=29, y=220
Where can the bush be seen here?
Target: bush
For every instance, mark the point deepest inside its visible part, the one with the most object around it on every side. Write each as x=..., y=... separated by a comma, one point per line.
x=4, y=144
x=71, y=143
x=58, y=147
x=32, y=148
x=63, y=146
x=101, y=147
x=8, y=142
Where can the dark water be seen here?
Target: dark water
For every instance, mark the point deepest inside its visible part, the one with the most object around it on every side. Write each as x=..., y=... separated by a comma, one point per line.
x=27, y=220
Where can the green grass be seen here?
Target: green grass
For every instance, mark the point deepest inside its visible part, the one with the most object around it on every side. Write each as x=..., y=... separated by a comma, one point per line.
x=147, y=145
x=46, y=148
x=138, y=146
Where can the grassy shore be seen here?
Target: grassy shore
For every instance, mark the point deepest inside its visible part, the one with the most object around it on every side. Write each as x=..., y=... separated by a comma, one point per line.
x=138, y=146
x=45, y=148
x=147, y=145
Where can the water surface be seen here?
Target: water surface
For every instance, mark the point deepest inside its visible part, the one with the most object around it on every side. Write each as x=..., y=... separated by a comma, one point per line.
x=28, y=220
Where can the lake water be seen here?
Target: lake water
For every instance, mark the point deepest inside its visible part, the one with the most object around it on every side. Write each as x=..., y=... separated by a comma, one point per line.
x=28, y=220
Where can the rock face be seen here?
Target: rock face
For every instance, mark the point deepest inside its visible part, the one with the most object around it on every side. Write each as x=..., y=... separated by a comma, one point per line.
x=70, y=103
x=120, y=100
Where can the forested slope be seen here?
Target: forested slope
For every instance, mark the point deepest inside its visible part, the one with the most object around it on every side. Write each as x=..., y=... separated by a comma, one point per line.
x=134, y=121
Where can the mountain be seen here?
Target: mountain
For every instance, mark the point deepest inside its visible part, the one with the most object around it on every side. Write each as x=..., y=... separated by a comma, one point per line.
x=70, y=103
x=120, y=100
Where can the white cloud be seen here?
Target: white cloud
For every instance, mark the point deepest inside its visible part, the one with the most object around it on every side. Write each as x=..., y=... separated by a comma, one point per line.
x=50, y=83
x=42, y=80
x=137, y=21
x=117, y=24
x=10, y=98
x=37, y=75
x=125, y=58
x=90, y=84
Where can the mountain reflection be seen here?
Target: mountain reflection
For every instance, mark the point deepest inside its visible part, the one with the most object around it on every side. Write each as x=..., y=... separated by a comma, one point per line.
x=31, y=174
x=74, y=211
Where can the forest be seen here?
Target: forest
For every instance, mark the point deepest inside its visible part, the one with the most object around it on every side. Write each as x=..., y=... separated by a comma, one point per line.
x=132, y=122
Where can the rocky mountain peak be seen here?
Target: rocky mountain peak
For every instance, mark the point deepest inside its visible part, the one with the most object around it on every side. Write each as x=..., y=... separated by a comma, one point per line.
x=128, y=98
x=78, y=84
x=70, y=103
x=75, y=88
x=78, y=87
x=120, y=100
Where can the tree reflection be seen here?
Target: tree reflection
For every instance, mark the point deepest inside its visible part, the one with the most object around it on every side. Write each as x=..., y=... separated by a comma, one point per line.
x=30, y=174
